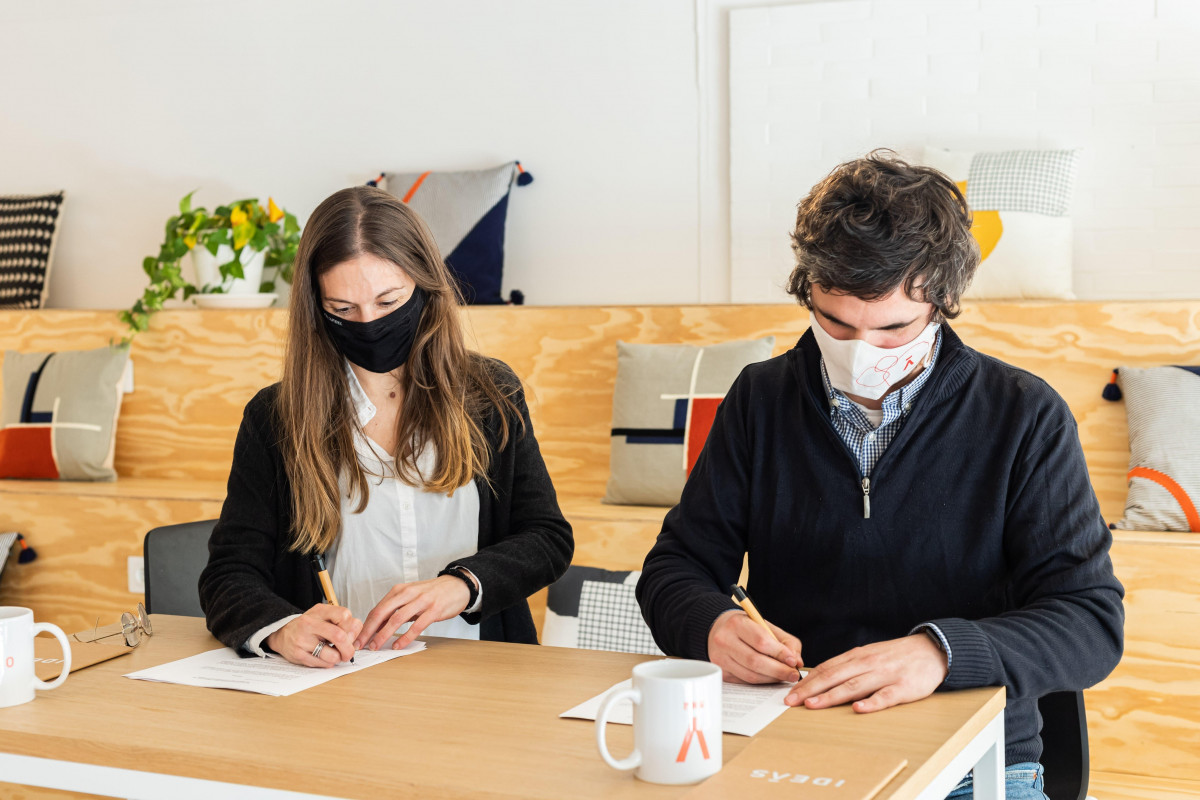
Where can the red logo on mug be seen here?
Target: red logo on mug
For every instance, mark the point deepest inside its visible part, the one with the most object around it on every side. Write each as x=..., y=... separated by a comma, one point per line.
x=687, y=741
x=8, y=662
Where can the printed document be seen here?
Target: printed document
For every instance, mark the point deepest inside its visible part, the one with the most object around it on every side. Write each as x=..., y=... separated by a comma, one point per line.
x=225, y=669
x=745, y=709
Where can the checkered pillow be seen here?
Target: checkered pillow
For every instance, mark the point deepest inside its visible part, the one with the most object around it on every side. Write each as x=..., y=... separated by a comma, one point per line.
x=595, y=609
x=1162, y=405
x=1020, y=201
x=28, y=230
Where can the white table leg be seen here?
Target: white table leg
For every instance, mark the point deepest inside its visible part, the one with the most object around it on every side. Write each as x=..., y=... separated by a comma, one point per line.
x=985, y=755
x=989, y=770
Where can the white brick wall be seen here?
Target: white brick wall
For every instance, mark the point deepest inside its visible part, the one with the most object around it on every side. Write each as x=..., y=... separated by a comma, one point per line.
x=1118, y=78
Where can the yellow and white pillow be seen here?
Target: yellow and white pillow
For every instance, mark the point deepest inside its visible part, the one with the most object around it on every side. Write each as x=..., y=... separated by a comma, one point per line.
x=1020, y=200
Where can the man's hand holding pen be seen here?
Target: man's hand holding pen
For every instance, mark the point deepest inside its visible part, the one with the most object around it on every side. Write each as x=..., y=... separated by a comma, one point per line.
x=748, y=649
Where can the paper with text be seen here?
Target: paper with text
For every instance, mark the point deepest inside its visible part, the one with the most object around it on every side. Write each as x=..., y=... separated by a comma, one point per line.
x=745, y=710
x=225, y=669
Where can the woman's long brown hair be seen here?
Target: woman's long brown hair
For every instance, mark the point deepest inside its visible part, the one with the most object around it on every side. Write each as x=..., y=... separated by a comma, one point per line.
x=448, y=390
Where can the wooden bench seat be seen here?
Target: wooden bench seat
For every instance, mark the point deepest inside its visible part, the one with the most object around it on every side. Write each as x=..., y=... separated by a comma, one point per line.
x=195, y=370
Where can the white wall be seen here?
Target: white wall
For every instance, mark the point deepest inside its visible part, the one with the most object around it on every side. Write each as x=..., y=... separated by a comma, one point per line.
x=620, y=109
x=129, y=104
x=813, y=85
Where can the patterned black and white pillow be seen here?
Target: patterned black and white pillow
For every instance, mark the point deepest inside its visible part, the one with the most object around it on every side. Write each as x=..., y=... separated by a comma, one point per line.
x=28, y=230
x=595, y=609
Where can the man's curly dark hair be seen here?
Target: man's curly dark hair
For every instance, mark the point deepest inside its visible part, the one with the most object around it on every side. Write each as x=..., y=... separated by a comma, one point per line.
x=878, y=223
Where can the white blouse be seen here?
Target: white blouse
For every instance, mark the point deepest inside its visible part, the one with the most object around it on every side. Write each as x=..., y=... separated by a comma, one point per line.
x=404, y=534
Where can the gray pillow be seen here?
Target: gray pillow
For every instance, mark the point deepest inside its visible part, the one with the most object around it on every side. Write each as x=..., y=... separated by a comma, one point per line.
x=664, y=401
x=1162, y=405
x=58, y=413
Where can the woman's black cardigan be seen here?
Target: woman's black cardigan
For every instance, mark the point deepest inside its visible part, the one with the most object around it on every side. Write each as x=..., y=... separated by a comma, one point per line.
x=252, y=579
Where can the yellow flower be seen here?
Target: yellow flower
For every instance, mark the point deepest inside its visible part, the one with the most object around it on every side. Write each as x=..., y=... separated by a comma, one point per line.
x=237, y=217
x=190, y=241
x=274, y=213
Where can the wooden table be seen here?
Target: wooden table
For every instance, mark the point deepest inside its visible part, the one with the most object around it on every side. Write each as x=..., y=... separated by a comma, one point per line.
x=462, y=719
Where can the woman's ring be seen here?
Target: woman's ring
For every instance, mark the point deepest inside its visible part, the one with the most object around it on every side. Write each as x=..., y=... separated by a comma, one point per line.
x=317, y=650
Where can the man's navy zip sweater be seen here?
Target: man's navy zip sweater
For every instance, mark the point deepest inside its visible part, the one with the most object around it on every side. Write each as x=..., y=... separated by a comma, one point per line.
x=982, y=520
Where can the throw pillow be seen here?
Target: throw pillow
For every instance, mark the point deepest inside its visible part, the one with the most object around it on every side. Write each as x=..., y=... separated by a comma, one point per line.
x=664, y=402
x=28, y=231
x=466, y=212
x=1162, y=405
x=58, y=413
x=1020, y=201
x=596, y=609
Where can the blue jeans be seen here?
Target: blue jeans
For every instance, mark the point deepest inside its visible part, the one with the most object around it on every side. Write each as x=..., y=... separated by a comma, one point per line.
x=1021, y=782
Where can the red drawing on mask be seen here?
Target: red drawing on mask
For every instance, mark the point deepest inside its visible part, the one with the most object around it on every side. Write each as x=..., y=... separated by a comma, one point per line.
x=881, y=373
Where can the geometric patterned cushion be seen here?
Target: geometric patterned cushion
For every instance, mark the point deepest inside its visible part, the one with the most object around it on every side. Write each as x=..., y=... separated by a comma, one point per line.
x=58, y=413
x=664, y=401
x=595, y=609
x=1020, y=202
x=466, y=213
x=1162, y=405
x=28, y=230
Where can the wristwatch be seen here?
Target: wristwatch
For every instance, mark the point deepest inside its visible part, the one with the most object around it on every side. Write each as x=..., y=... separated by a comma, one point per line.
x=462, y=574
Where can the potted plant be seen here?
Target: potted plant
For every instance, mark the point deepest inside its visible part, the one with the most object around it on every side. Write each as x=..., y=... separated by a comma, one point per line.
x=230, y=247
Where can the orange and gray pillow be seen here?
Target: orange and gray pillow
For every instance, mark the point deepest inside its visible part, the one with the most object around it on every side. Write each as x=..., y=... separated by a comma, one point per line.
x=1162, y=405
x=664, y=403
x=58, y=414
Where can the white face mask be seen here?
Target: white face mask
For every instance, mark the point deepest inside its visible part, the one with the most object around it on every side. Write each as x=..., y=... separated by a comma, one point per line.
x=864, y=370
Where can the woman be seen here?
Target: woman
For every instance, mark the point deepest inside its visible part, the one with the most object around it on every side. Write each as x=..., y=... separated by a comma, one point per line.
x=408, y=461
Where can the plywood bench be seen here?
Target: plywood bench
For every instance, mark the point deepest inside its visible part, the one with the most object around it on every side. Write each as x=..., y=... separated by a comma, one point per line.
x=195, y=370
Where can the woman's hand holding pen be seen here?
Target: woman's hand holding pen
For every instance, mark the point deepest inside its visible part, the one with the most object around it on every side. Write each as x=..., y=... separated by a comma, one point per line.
x=333, y=625
x=747, y=653
x=422, y=603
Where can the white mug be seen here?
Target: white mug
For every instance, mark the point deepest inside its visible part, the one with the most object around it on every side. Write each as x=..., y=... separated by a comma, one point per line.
x=17, y=680
x=676, y=721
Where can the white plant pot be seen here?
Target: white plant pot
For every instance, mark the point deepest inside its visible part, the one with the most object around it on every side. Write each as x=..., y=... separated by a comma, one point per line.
x=208, y=272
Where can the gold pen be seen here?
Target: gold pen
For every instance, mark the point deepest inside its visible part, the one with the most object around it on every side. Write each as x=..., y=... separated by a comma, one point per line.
x=739, y=597
x=326, y=584
x=323, y=576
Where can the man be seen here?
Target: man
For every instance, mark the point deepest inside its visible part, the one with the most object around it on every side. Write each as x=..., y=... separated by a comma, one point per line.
x=917, y=515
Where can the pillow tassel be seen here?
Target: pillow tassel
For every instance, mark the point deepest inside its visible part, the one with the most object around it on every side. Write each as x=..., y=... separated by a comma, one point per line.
x=27, y=553
x=523, y=177
x=1112, y=391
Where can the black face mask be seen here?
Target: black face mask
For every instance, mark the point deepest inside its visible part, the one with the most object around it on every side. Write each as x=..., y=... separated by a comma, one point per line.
x=383, y=344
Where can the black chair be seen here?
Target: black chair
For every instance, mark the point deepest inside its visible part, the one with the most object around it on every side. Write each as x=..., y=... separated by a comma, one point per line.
x=175, y=555
x=1064, y=745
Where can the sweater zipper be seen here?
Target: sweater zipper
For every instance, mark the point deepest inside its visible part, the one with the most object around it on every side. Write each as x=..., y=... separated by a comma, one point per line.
x=866, y=487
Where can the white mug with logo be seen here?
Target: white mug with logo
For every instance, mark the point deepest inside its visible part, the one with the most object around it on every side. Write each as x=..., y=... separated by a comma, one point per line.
x=17, y=681
x=676, y=721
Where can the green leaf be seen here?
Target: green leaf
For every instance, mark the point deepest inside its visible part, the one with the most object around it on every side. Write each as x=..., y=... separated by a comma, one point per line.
x=185, y=205
x=267, y=286
x=211, y=245
x=148, y=264
x=233, y=269
x=189, y=290
x=289, y=224
x=259, y=241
